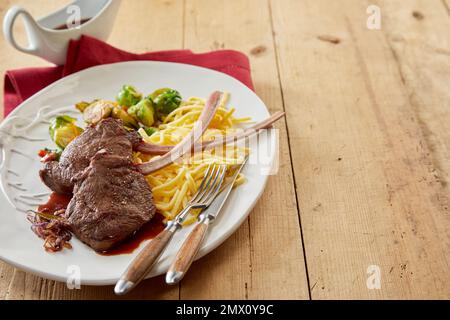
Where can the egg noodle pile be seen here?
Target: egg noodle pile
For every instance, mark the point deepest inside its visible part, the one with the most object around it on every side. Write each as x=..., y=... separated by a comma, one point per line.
x=175, y=184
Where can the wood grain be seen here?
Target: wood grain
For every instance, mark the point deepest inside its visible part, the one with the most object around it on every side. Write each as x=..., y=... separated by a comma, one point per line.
x=147, y=257
x=364, y=152
x=188, y=250
x=264, y=259
x=369, y=189
x=127, y=34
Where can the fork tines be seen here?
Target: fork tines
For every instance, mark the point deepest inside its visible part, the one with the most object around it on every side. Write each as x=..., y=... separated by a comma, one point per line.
x=210, y=185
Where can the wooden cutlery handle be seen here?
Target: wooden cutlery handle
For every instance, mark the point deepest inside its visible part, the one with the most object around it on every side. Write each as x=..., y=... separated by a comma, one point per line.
x=187, y=253
x=144, y=262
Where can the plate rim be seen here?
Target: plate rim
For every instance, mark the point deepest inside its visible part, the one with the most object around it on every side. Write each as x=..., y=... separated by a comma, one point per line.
x=208, y=247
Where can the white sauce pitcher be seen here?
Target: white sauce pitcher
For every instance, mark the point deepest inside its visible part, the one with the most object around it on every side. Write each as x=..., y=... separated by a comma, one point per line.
x=48, y=37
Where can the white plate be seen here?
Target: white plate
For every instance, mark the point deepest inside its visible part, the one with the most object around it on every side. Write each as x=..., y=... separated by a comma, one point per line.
x=22, y=188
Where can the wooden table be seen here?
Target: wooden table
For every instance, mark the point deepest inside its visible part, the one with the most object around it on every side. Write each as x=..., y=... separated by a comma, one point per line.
x=365, y=147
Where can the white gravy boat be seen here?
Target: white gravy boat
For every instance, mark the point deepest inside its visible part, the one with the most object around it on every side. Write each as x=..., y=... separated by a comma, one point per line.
x=48, y=37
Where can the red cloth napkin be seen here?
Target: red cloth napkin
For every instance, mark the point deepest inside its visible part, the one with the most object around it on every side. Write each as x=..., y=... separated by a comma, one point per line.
x=86, y=52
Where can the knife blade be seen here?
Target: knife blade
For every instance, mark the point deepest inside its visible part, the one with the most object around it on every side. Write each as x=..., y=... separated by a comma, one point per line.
x=214, y=209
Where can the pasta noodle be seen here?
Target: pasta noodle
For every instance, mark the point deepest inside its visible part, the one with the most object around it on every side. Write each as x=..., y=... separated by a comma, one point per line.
x=175, y=184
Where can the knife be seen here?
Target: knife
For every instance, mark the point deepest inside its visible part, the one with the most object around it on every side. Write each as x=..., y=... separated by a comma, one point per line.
x=193, y=242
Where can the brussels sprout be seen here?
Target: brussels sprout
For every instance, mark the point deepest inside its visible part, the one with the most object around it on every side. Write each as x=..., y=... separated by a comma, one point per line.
x=128, y=121
x=144, y=112
x=165, y=100
x=63, y=130
x=150, y=130
x=97, y=110
x=128, y=96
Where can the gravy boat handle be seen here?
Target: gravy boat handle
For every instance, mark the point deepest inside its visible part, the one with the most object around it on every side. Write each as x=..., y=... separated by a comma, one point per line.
x=8, y=24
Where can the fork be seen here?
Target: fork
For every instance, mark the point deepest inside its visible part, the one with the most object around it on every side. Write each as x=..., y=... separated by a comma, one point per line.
x=147, y=258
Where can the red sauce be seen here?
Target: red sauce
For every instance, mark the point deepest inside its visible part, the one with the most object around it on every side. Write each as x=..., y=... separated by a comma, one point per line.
x=65, y=27
x=146, y=232
x=55, y=202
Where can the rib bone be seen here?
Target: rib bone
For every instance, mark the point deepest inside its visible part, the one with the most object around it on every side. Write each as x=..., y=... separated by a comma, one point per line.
x=150, y=148
x=189, y=141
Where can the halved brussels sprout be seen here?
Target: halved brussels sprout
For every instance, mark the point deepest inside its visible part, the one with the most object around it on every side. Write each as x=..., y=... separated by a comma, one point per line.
x=97, y=110
x=128, y=96
x=165, y=100
x=63, y=130
x=144, y=112
x=128, y=121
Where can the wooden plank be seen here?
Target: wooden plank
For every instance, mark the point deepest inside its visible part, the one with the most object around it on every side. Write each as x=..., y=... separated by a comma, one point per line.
x=133, y=17
x=264, y=258
x=420, y=42
x=368, y=125
x=446, y=4
x=368, y=186
x=143, y=26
